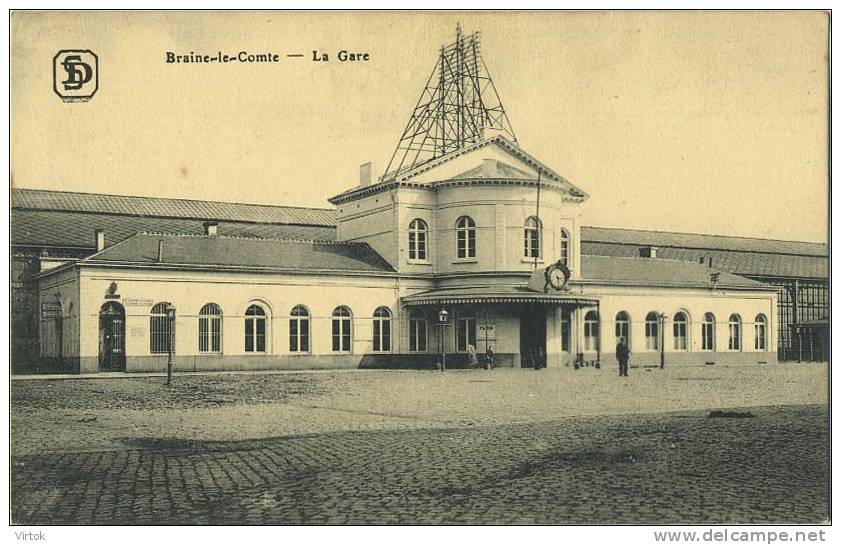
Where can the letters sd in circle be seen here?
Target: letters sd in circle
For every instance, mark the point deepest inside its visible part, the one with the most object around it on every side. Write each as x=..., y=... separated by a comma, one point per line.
x=75, y=74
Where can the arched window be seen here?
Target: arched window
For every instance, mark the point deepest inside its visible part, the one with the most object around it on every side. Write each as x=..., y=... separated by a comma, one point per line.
x=255, y=329
x=465, y=238
x=417, y=334
x=417, y=240
x=623, y=328
x=735, y=342
x=652, y=331
x=564, y=246
x=160, y=330
x=299, y=329
x=679, y=331
x=760, y=327
x=342, y=334
x=382, y=330
x=531, y=238
x=210, y=329
x=708, y=332
x=591, y=331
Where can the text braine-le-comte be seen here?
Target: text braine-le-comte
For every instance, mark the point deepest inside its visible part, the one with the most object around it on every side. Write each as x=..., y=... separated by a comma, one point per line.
x=246, y=57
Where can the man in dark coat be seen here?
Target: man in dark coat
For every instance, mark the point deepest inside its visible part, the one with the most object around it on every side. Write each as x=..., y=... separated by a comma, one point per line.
x=622, y=354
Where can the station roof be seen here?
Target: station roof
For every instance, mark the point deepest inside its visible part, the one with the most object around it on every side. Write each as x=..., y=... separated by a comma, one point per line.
x=41, y=218
x=72, y=229
x=658, y=272
x=221, y=252
x=66, y=201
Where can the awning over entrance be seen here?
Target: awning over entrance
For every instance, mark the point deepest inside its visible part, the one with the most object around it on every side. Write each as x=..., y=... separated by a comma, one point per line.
x=494, y=294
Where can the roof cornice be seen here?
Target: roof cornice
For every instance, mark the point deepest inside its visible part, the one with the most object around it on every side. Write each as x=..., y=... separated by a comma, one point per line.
x=433, y=187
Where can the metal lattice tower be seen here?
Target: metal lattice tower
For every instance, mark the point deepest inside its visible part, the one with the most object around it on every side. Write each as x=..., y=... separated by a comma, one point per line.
x=456, y=107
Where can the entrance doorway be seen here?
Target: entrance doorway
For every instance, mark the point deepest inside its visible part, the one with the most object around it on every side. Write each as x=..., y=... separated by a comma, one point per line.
x=533, y=337
x=112, y=337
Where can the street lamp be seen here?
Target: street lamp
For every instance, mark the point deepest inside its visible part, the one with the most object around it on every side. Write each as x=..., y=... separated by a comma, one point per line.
x=662, y=317
x=170, y=316
x=443, y=317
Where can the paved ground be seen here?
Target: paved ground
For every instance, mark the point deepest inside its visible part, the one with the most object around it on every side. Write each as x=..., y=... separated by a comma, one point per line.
x=402, y=447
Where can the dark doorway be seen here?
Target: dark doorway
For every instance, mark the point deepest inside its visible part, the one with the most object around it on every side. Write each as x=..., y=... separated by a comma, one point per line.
x=533, y=337
x=112, y=337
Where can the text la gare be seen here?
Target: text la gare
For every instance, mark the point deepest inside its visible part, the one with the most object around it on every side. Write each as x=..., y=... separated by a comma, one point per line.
x=343, y=56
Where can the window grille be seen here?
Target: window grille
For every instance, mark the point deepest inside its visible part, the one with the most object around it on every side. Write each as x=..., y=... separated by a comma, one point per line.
x=465, y=238
x=255, y=329
x=160, y=331
x=342, y=327
x=417, y=240
x=210, y=329
x=382, y=330
x=299, y=329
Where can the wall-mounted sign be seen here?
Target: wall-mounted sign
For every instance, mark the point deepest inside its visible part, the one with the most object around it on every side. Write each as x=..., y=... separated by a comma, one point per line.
x=486, y=331
x=51, y=310
x=138, y=302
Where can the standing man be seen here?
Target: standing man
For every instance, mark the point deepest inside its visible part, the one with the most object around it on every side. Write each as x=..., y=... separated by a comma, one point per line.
x=622, y=354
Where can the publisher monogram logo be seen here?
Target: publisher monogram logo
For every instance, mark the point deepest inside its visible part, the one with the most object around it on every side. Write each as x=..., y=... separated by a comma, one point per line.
x=75, y=74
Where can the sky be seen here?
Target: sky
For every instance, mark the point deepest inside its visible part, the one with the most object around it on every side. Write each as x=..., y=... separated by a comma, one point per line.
x=704, y=122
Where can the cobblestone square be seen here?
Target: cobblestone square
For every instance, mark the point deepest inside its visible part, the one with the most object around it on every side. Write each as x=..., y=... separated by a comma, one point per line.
x=471, y=447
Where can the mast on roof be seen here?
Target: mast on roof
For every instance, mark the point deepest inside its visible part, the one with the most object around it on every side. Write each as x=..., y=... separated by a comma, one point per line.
x=457, y=107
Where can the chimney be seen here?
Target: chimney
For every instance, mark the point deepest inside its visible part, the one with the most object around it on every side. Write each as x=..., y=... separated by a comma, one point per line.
x=649, y=252
x=210, y=228
x=365, y=174
x=160, y=251
x=100, y=240
x=488, y=168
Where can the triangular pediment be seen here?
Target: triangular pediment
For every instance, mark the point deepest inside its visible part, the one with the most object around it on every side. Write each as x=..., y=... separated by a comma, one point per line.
x=494, y=158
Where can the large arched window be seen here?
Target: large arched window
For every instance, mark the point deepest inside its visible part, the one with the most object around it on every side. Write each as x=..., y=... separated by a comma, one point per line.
x=160, y=330
x=255, y=329
x=760, y=329
x=417, y=240
x=342, y=329
x=735, y=342
x=465, y=238
x=652, y=331
x=564, y=246
x=299, y=329
x=531, y=238
x=708, y=332
x=210, y=329
x=591, y=331
x=382, y=330
x=623, y=328
x=679, y=331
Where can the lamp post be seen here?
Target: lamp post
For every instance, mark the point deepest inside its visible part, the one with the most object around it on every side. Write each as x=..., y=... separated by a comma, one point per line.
x=662, y=317
x=443, y=316
x=170, y=316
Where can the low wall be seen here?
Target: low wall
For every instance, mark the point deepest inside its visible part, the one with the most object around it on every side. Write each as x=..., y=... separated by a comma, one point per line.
x=682, y=359
x=146, y=364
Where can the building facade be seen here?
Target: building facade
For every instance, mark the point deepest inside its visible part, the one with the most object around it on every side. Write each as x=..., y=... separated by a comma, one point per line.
x=464, y=235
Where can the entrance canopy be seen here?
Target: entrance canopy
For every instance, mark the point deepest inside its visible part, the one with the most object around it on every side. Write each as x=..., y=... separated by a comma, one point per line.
x=494, y=294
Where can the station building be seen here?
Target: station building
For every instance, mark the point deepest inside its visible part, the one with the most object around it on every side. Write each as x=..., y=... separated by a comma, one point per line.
x=459, y=235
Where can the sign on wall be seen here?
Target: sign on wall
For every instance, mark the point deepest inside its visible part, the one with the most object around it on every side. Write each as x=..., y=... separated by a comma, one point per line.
x=486, y=331
x=51, y=310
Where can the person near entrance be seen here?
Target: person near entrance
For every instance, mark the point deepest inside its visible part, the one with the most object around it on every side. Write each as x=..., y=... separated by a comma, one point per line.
x=622, y=354
x=489, y=358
